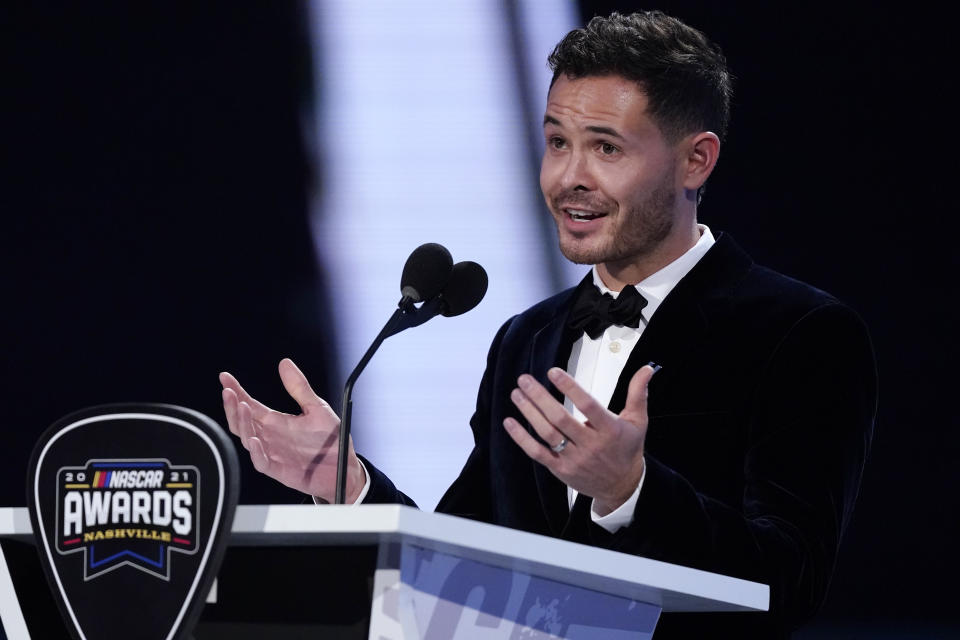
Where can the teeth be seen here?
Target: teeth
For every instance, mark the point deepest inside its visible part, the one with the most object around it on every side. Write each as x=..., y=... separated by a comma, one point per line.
x=581, y=216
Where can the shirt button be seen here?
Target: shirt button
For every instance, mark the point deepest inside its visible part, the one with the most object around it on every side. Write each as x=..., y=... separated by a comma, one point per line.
x=614, y=347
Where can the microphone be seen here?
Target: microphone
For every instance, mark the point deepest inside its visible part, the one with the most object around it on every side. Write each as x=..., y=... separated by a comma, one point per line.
x=425, y=272
x=430, y=277
x=465, y=289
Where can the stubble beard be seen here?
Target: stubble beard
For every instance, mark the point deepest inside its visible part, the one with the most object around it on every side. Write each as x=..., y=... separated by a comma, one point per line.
x=639, y=231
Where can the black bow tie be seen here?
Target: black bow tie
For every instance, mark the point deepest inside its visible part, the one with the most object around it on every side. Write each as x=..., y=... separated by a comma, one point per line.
x=593, y=312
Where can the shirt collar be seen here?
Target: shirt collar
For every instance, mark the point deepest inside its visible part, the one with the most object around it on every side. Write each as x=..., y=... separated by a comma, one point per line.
x=656, y=286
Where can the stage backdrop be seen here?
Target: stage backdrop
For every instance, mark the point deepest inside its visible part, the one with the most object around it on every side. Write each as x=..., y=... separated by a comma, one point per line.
x=214, y=186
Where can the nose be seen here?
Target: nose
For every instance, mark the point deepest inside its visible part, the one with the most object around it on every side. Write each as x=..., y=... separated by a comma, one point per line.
x=576, y=174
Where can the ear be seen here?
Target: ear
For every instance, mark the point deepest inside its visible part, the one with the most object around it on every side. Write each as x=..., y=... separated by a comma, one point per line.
x=702, y=151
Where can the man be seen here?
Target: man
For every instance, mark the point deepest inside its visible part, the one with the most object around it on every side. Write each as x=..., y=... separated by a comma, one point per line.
x=743, y=455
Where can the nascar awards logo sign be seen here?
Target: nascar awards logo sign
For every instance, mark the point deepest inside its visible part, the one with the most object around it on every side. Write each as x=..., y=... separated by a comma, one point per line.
x=127, y=512
x=131, y=507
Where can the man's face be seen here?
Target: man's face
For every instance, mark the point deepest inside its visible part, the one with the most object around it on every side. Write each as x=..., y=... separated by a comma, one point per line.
x=608, y=175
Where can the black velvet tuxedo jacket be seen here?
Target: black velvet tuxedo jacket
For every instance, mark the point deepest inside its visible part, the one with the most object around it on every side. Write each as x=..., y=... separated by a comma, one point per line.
x=760, y=421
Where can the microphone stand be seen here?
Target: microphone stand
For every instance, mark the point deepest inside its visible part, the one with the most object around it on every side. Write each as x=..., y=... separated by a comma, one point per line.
x=406, y=316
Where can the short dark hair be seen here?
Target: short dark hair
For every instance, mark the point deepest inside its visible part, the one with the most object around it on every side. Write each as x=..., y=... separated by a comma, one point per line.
x=683, y=75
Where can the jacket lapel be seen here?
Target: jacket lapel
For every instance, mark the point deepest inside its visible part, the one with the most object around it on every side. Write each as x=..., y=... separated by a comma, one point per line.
x=676, y=330
x=550, y=347
x=667, y=341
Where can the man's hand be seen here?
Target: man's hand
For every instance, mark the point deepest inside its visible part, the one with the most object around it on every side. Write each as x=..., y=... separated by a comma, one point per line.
x=603, y=457
x=299, y=451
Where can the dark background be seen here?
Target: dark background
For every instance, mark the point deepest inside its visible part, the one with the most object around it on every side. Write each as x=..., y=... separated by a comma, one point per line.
x=154, y=204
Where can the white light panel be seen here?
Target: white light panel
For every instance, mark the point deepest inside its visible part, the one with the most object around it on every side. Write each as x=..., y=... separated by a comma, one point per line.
x=421, y=138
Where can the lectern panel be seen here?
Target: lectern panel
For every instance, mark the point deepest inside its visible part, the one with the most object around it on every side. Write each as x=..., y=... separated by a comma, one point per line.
x=291, y=592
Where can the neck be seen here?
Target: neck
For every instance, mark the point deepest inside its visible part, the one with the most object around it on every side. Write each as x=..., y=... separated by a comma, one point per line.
x=630, y=271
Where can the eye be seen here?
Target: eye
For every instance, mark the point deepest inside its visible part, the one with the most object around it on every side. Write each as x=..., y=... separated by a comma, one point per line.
x=556, y=142
x=608, y=149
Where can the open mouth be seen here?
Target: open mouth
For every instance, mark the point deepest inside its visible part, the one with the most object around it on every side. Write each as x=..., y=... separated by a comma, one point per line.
x=579, y=215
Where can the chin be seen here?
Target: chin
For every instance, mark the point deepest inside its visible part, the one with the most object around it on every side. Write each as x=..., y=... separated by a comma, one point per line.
x=579, y=258
x=581, y=253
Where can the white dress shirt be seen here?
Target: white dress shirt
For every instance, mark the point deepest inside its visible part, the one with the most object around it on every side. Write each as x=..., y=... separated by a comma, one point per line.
x=596, y=364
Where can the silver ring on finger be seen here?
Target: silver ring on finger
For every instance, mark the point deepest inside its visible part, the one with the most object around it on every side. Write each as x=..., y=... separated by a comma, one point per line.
x=560, y=446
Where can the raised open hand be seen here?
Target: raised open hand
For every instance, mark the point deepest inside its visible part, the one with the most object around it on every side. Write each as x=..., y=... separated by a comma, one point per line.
x=299, y=451
x=602, y=457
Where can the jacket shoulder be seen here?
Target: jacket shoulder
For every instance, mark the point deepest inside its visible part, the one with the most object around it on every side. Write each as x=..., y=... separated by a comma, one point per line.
x=728, y=275
x=771, y=297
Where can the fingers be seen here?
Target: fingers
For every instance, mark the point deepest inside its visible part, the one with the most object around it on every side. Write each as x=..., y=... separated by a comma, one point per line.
x=251, y=434
x=230, y=409
x=596, y=413
x=531, y=447
x=297, y=385
x=258, y=455
x=238, y=422
x=229, y=382
x=549, y=418
x=635, y=406
x=245, y=425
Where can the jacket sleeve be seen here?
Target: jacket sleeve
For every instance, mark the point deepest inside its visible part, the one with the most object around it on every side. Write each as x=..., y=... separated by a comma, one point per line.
x=810, y=423
x=382, y=490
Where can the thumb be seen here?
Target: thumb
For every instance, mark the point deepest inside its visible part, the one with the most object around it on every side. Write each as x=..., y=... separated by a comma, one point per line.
x=635, y=407
x=297, y=385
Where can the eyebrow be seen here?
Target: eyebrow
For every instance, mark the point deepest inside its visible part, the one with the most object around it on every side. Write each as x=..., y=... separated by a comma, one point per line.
x=604, y=130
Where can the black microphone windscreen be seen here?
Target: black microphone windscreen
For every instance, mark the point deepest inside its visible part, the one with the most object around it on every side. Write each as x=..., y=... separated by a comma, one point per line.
x=465, y=289
x=426, y=272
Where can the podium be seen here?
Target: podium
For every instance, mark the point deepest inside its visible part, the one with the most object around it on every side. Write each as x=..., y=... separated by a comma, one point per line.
x=393, y=572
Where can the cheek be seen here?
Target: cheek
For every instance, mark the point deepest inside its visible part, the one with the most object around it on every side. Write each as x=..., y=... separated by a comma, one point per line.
x=626, y=184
